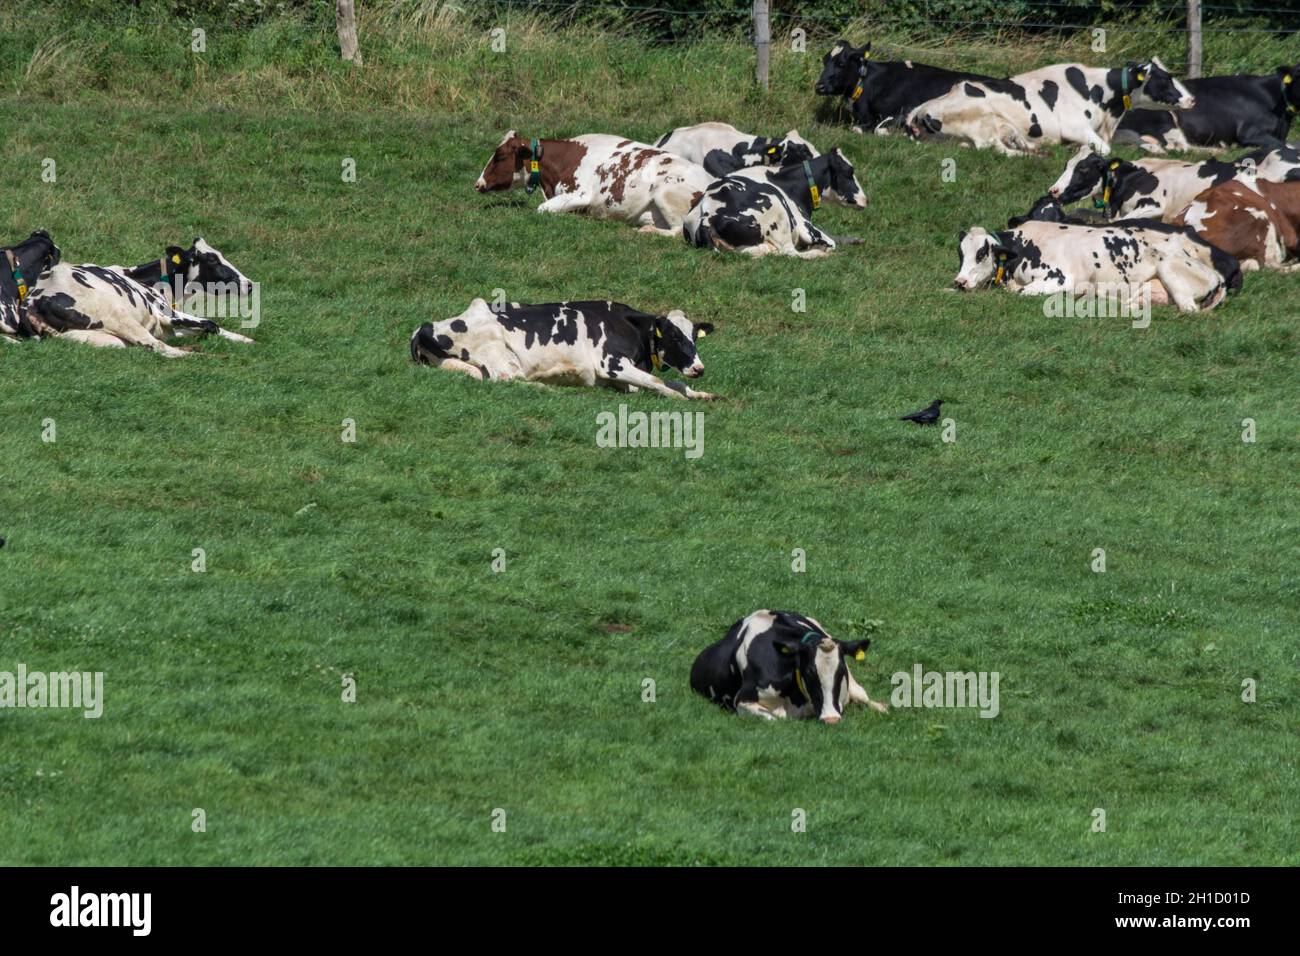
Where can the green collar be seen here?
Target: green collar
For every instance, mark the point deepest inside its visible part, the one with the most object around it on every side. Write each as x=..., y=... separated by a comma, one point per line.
x=812, y=189
x=16, y=269
x=534, y=166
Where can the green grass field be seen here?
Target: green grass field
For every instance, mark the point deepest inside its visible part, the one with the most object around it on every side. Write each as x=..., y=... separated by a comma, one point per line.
x=522, y=690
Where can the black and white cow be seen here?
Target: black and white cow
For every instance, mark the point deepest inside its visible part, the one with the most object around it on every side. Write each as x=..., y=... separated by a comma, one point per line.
x=1161, y=188
x=1240, y=110
x=1044, y=258
x=582, y=343
x=762, y=211
x=781, y=665
x=879, y=94
x=1047, y=209
x=21, y=265
x=117, y=307
x=721, y=148
x=1064, y=103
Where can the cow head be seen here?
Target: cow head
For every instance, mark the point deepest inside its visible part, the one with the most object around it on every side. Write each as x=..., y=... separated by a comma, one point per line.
x=507, y=167
x=844, y=187
x=980, y=255
x=1045, y=209
x=673, y=338
x=204, y=264
x=841, y=68
x=1151, y=87
x=820, y=663
x=1082, y=177
x=36, y=253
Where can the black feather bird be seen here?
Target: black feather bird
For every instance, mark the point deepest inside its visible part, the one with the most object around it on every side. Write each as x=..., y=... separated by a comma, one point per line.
x=926, y=416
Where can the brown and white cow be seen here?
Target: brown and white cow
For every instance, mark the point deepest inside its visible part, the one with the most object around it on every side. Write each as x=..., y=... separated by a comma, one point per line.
x=608, y=177
x=1253, y=219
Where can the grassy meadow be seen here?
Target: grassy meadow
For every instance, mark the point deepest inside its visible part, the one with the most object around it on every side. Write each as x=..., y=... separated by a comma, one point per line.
x=523, y=689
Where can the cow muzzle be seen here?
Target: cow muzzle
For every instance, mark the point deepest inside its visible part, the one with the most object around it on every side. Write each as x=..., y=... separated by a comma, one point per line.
x=1055, y=192
x=1187, y=103
x=481, y=185
x=831, y=719
x=695, y=371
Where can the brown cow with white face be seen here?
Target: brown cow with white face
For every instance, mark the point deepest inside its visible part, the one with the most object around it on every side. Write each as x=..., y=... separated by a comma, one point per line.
x=604, y=176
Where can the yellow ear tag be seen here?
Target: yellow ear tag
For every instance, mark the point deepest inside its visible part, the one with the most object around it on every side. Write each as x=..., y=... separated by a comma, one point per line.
x=655, y=361
x=1128, y=102
x=1286, y=80
x=816, y=196
x=176, y=259
x=1142, y=77
x=1115, y=165
x=998, y=278
x=857, y=91
x=533, y=166
x=861, y=655
x=22, y=291
x=700, y=334
x=1105, y=194
x=659, y=333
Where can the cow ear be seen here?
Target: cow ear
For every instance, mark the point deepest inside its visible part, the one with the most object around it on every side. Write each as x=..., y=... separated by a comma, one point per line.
x=785, y=645
x=855, y=649
x=702, y=329
x=175, y=254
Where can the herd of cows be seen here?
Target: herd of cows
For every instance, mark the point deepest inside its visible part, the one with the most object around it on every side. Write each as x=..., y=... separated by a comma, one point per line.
x=1173, y=230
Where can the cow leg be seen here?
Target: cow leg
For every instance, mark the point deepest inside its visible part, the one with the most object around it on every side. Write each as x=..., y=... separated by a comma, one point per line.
x=859, y=695
x=94, y=337
x=456, y=365
x=753, y=708
x=186, y=324
x=132, y=333
x=565, y=202
x=631, y=375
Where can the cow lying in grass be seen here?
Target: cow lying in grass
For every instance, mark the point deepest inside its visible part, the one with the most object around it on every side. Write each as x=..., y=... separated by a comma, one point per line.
x=21, y=265
x=1044, y=258
x=721, y=148
x=1161, y=188
x=781, y=664
x=117, y=307
x=879, y=94
x=761, y=211
x=1063, y=103
x=1252, y=219
x=604, y=176
x=566, y=343
x=1245, y=110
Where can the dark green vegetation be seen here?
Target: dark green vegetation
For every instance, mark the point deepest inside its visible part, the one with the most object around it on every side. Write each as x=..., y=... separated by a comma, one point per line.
x=522, y=690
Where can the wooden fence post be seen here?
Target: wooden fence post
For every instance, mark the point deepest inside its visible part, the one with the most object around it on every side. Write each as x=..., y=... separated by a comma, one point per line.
x=346, y=17
x=762, y=40
x=1193, y=39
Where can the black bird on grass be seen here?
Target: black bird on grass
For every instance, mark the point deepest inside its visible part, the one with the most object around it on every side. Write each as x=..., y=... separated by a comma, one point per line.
x=926, y=416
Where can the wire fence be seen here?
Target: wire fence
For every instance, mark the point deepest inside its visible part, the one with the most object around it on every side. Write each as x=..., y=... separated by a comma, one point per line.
x=1219, y=18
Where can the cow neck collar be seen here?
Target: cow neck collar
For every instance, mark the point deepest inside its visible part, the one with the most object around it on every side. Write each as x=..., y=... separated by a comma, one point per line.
x=534, y=165
x=813, y=192
x=1286, y=89
x=1107, y=184
x=656, y=362
x=163, y=277
x=798, y=672
x=16, y=268
x=853, y=97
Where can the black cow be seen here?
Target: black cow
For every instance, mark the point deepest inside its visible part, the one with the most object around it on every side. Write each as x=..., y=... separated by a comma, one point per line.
x=880, y=94
x=20, y=266
x=781, y=664
x=1244, y=110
